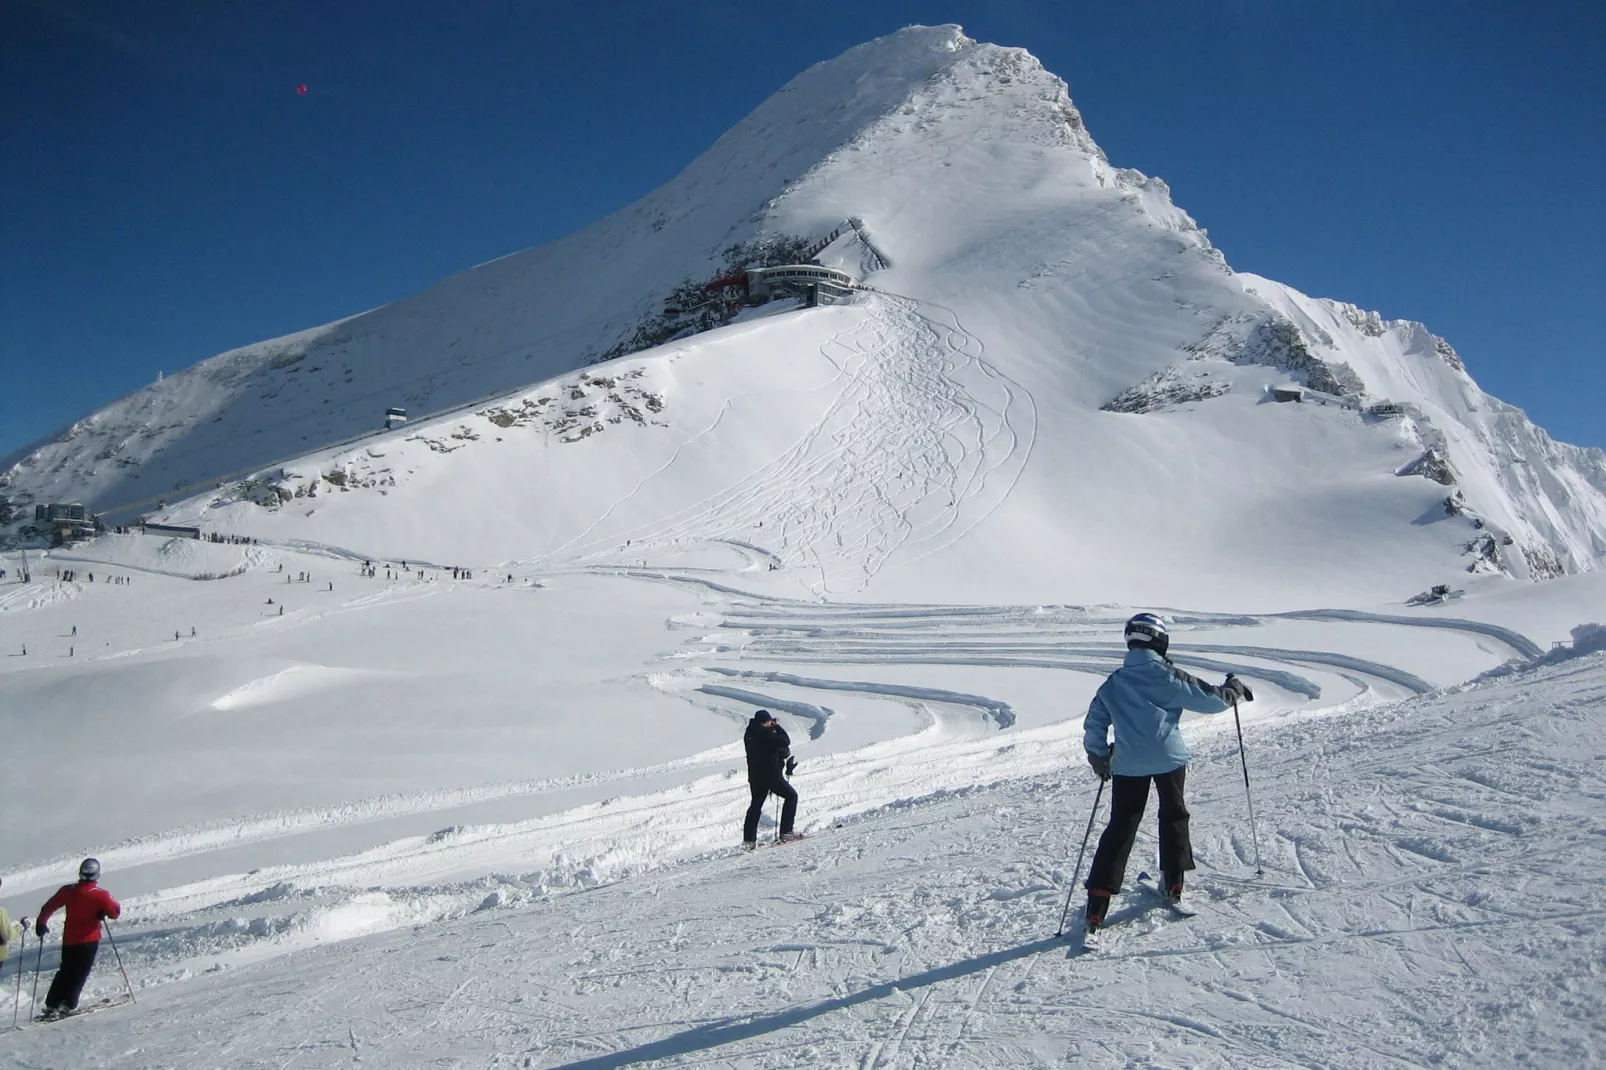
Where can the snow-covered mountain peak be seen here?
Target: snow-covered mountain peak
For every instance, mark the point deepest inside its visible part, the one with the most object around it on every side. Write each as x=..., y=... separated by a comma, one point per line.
x=527, y=316
x=923, y=73
x=416, y=688
x=931, y=83
x=1039, y=341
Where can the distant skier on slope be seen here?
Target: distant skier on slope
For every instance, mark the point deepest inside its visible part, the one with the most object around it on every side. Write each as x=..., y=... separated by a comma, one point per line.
x=1143, y=701
x=86, y=904
x=769, y=760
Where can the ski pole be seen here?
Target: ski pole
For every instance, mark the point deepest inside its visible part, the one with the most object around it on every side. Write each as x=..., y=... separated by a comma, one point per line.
x=104, y=924
x=1077, y=872
x=1254, y=830
x=33, y=1007
x=777, y=819
x=22, y=953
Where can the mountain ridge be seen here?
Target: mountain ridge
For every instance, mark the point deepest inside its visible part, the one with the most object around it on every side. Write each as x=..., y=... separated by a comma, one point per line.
x=1065, y=281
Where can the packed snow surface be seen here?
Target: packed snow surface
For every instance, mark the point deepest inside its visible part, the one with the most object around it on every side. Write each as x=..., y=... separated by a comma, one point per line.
x=494, y=816
x=429, y=754
x=1429, y=898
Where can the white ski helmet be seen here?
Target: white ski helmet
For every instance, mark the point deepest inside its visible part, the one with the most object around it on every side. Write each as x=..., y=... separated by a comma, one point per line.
x=1148, y=630
x=89, y=869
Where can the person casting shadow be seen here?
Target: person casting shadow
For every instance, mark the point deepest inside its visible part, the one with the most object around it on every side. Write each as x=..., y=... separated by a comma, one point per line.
x=769, y=762
x=86, y=904
x=1142, y=703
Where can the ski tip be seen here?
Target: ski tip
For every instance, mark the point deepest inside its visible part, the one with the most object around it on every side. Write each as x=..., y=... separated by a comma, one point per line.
x=1143, y=876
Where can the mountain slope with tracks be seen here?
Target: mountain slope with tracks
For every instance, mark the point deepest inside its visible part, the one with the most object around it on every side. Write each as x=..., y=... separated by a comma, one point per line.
x=431, y=752
x=1048, y=357
x=1410, y=912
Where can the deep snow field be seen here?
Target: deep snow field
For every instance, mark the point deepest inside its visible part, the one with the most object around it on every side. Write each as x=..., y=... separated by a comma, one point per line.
x=514, y=840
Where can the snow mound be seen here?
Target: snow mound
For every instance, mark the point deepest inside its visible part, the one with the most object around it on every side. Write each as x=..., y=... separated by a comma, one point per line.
x=1587, y=640
x=166, y=555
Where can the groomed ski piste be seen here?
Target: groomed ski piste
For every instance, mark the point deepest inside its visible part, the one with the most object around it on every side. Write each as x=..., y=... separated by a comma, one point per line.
x=478, y=804
x=1431, y=848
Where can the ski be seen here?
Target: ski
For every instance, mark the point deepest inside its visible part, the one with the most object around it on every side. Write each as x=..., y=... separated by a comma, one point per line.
x=1103, y=939
x=88, y=1008
x=91, y=1008
x=1119, y=927
x=763, y=844
x=1152, y=886
x=1094, y=943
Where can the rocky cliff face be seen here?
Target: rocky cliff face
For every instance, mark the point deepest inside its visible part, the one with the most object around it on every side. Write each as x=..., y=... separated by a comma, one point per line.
x=1538, y=503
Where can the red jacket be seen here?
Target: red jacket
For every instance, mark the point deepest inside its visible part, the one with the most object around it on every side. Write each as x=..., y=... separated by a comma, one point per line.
x=86, y=903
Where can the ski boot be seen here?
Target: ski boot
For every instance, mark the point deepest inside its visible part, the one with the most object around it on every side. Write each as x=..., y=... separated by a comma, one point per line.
x=1098, y=905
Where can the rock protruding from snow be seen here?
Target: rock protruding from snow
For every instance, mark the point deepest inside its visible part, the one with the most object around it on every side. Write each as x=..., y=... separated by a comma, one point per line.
x=1274, y=341
x=1548, y=497
x=1166, y=389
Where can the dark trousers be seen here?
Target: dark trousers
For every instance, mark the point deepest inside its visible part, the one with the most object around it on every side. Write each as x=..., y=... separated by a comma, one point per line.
x=1129, y=795
x=761, y=794
x=76, y=962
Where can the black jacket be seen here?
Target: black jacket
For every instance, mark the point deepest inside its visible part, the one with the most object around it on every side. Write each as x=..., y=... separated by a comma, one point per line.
x=768, y=747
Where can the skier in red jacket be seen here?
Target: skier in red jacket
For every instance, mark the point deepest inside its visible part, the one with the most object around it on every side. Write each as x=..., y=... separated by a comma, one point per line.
x=86, y=904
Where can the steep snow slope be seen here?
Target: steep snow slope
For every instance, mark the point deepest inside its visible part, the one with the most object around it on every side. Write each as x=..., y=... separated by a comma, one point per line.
x=1546, y=495
x=515, y=320
x=1057, y=381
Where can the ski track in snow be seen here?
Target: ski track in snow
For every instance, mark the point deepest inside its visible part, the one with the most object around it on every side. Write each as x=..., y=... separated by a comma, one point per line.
x=1410, y=916
x=1432, y=858
x=1520, y=644
x=590, y=845
x=922, y=441
x=788, y=632
x=997, y=713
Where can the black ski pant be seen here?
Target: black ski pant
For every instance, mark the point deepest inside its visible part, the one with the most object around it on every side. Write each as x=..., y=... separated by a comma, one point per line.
x=76, y=962
x=1129, y=796
x=761, y=794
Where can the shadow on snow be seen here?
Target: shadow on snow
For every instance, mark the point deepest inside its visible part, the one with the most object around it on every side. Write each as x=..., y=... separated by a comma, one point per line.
x=726, y=1031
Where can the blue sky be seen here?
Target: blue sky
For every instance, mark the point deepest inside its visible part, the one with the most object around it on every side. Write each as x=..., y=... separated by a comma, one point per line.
x=167, y=194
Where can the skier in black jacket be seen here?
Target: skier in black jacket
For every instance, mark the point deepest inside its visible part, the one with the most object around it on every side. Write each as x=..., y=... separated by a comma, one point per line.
x=769, y=760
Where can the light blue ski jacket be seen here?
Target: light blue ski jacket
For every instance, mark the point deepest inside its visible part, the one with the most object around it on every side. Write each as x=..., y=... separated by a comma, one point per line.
x=1144, y=700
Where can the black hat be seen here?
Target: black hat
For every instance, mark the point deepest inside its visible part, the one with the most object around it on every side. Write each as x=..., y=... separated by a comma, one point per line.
x=763, y=715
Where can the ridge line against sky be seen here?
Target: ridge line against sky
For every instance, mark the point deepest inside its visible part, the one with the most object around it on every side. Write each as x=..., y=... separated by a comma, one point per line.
x=174, y=196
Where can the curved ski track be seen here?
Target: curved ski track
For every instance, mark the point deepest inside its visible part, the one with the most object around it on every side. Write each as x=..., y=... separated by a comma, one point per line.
x=759, y=637
x=923, y=440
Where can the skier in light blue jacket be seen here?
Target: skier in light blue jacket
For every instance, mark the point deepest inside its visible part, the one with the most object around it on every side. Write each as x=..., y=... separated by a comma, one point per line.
x=1143, y=702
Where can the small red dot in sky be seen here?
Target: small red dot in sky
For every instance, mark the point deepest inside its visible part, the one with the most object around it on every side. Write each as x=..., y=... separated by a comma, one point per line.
x=302, y=89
